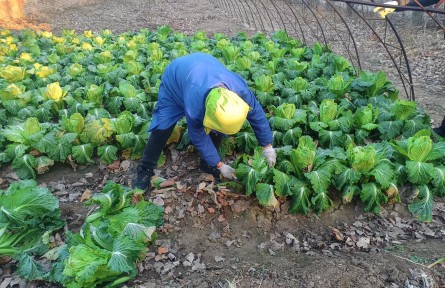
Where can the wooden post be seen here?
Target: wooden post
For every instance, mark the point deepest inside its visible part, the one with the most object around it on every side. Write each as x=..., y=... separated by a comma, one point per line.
x=12, y=9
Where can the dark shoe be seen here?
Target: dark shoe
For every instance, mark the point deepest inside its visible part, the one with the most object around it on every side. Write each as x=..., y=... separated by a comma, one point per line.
x=142, y=178
x=439, y=131
x=206, y=168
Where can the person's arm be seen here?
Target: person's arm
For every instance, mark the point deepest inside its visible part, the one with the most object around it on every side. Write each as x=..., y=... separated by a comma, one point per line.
x=260, y=125
x=258, y=120
x=385, y=11
x=207, y=149
x=202, y=142
x=424, y=3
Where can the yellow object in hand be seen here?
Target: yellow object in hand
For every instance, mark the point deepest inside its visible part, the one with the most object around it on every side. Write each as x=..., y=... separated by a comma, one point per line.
x=385, y=11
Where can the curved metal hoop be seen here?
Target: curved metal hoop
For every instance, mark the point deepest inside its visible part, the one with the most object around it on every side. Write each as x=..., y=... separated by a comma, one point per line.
x=394, y=50
x=332, y=23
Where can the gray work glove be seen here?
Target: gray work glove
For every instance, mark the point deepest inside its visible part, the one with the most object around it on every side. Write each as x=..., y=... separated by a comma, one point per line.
x=227, y=172
x=270, y=155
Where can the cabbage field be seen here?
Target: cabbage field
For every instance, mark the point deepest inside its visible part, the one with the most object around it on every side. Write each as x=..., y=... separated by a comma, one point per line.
x=88, y=98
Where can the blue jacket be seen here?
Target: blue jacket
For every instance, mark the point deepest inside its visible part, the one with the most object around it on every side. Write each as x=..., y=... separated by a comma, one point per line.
x=422, y=2
x=185, y=85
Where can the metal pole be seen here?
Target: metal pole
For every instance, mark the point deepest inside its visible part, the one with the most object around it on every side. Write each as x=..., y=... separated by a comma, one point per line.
x=400, y=8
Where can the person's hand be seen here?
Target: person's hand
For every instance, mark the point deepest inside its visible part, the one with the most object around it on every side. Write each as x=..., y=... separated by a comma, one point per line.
x=227, y=171
x=270, y=155
x=385, y=11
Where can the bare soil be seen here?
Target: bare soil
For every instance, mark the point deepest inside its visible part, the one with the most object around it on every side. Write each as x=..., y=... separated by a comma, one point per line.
x=225, y=239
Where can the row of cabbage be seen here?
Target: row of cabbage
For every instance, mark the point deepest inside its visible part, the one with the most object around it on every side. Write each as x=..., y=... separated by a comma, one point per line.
x=75, y=97
x=105, y=251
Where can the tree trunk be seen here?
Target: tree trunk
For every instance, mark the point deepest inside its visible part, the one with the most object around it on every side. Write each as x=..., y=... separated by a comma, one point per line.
x=12, y=9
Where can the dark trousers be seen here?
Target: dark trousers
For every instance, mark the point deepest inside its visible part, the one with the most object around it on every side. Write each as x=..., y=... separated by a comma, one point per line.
x=153, y=149
x=156, y=143
x=441, y=129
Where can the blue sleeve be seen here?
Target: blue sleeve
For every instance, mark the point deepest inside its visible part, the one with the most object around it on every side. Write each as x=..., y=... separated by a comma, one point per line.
x=257, y=119
x=424, y=3
x=202, y=142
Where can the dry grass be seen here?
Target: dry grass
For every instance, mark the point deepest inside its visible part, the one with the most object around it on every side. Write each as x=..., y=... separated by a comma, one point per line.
x=23, y=23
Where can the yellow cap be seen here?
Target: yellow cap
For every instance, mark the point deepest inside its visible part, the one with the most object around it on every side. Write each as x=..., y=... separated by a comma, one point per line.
x=225, y=111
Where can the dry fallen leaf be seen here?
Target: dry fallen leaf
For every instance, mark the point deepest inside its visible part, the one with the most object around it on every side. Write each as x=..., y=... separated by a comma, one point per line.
x=214, y=236
x=125, y=165
x=180, y=186
x=168, y=210
x=160, y=257
x=190, y=257
x=158, y=201
x=263, y=245
x=211, y=210
x=35, y=152
x=126, y=153
x=201, y=186
x=219, y=259
x=350, y=242
x=135, y=198
x=337, y=235
x=6, y=282
x=221, y=218
x=363, y=242
x=44, y=167
x=290, y=239
x=5, y=259
x=86, y=195
x=115, y=165
x=162, y=250
x=221, y=201
x=168, y=183
x=186, y=263
x=240, y=206
x=72, y=163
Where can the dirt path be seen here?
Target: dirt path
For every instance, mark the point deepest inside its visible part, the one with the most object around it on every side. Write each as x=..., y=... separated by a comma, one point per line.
x=241, y=244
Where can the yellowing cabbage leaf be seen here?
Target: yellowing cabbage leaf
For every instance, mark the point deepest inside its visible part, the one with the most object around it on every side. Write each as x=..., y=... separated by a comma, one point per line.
x=54, y=92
